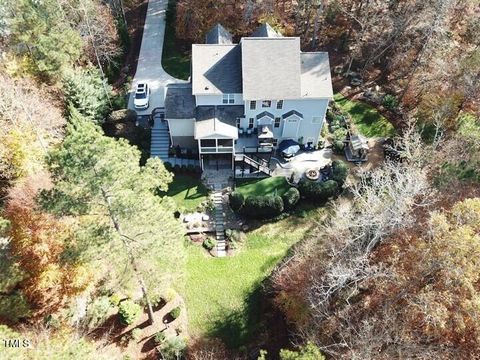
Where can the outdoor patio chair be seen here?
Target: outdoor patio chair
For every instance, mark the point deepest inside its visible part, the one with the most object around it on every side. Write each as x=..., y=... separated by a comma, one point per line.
x=249, y=131
x=240, y=131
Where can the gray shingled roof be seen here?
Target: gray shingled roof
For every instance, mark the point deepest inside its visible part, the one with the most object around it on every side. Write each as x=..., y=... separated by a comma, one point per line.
x=271, y=68
x=265, y=30
x=292, y=112
x=218, y=35
x=315, y=78
x=265, y=113
x=217, y=121
x=216, y=69
x=179, y=102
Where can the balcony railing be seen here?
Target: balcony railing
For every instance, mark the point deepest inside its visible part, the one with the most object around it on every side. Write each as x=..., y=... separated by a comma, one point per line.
x=213, y=149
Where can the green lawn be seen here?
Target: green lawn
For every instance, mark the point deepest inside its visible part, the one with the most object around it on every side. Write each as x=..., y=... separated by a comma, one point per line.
x=175, y=61
x=267, y=186
x=187, y=191
x=366, y=118
x=222, y=294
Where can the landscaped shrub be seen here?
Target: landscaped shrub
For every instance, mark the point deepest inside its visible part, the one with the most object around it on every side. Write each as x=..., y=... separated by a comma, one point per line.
x=390, y=102
x=175, y=313
x=317, y=191
x=263, y=207
x=129, y=311
x=176, y=168
x=173, y=348
x=209, y=243
x=237, y=200
x=159, y=337
x=339, y=171
x=98, y=310
x=290, y=198
x=338, y=146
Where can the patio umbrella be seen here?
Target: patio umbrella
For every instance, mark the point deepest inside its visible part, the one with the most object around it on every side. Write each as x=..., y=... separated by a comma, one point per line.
x=288, y=147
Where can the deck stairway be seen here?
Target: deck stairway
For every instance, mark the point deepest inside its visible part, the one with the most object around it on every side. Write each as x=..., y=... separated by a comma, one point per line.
x=261, y=165
x=219, y=221
x=160, y=142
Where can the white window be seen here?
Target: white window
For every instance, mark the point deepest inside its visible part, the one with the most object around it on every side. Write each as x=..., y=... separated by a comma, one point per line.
x=292, y=119
x=253, y=105
x=251, y=121
x=316, y=120
x=277, y=122
x=228, y=99
x=266, y=103
x=279, y=104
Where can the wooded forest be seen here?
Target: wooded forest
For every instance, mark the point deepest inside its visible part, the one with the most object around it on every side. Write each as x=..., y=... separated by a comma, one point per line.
x=390, y=270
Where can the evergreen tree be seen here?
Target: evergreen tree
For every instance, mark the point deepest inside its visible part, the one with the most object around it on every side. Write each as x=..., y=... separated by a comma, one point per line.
x=123, y=221
x=86, y=91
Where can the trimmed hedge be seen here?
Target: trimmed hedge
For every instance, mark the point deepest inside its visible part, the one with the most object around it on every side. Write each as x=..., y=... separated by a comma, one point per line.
x=339, y=171
x=318, y=191
x=290, y=198
x=236, y=200
x=263, y=207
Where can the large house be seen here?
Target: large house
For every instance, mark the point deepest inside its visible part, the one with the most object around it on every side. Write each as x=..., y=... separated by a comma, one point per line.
x=247, y=97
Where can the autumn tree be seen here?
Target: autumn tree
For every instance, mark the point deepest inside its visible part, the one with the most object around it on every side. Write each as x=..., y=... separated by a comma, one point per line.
x=123, y=222
x=31, y=121
x=36, y=242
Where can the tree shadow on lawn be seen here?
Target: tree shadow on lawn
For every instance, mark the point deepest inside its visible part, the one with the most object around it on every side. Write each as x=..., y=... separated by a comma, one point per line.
x=238, y=327
x=193, y=187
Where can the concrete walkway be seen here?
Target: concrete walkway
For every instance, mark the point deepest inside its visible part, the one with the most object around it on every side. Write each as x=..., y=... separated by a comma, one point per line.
x=149, y=67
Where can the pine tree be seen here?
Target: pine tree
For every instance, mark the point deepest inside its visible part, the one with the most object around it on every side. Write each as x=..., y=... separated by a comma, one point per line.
x=123, y=221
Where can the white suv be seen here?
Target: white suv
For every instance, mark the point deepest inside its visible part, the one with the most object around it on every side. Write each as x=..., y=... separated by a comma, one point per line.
x=142, y=96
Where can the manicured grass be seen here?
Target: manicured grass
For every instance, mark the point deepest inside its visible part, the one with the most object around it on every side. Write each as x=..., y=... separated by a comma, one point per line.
x=223, y=294
x=366, y=118
x=268, y=186
x=175, y=61
x=187, y=191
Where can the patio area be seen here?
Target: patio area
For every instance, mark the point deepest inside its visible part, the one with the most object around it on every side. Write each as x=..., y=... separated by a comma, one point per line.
x=298, y=164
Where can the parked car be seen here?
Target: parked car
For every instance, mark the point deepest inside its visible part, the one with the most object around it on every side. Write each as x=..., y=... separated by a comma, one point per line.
x=142, y=96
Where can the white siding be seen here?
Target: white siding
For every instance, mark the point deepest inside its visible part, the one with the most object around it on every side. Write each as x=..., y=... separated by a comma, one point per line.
x=309, y=108
x=217, y=100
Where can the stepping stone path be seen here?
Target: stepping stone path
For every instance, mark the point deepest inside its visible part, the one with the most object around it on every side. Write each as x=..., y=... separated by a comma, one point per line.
x=219, y=217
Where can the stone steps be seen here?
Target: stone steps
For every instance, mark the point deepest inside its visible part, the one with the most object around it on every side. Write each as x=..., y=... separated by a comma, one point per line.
x=219, y=220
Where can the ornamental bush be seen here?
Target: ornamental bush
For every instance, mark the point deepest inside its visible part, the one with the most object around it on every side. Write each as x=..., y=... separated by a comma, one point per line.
x=159, y=337
x=209, y=243
x=263, y=207
x=290, y=198
x=317, y=191
x=129, y=311
x=339, y=172
x=236, y=200
x=175, y=313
